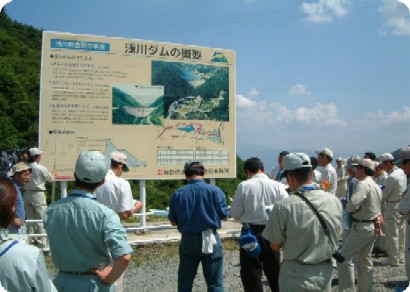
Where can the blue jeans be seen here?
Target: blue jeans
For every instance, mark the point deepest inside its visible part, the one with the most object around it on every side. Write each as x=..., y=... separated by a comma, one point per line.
x=190, y=255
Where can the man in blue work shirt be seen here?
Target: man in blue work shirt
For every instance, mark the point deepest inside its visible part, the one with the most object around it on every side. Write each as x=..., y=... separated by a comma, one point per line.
x=197, y=209
x=20, y=175
x=84, y=235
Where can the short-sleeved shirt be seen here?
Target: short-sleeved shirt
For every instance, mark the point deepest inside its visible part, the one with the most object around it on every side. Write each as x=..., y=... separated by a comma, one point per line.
x=20, y=211
x=329, y=175
x=83, y=233
x=22, y=268
x=404, y=206
x=39, y=176
x=115, y=193
x=253, y=196
x=198, y=206
x=395, y=185
x=365, y=202
x=297, y=229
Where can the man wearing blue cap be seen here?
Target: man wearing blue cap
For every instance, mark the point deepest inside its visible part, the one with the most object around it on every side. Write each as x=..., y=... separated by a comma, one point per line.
x=197, y=210
x=306, y=265
x=84, y=235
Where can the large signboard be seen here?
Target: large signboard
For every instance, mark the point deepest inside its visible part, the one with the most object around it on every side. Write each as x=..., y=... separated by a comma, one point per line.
x=161, y=104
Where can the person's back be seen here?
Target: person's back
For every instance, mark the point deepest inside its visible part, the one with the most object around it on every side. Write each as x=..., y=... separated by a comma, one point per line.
x=87, y=241
x=307, y=266
x=197, y=210
x=253, y=200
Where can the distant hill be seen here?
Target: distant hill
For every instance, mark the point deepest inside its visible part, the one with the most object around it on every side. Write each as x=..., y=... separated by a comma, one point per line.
x=20, y=58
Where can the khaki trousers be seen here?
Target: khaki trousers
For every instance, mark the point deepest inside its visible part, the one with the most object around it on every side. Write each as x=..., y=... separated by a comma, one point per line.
x=394, y=227
x=359, y=244
x=297, y=277
x=35, y=204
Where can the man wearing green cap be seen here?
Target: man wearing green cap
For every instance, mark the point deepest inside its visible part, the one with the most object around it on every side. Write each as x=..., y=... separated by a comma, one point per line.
x=306, y=265
x=85, y=236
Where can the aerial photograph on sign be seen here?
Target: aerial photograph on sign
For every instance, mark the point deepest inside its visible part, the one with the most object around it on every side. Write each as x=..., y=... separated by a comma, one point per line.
x=193, y=91
x=137, y=104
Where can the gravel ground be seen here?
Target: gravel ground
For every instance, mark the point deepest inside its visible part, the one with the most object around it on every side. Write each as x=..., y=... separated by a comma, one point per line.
x=159, y=273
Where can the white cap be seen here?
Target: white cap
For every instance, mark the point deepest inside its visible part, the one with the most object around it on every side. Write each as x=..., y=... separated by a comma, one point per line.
x=325, y=151
x=91, y=167
x=19, y=167
x=365, y=162
x=35, y=151
x=386, y=157
x=121, y=158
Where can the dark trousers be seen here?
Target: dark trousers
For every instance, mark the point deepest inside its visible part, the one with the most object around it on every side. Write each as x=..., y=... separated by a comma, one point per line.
x=190, y=255
x=268, y=261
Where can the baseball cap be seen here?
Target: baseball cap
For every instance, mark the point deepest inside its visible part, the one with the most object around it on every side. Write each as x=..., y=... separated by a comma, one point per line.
x=386, y=157
x=91, y=167
x=405, y=153
x=325, y=151
x=339, y=159
x=121, y=158
x=19, y=167
x=366, y=162
x=35, y=151
x=294, y=161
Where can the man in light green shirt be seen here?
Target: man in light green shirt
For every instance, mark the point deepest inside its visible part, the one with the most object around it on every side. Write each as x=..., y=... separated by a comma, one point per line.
x=85, y=235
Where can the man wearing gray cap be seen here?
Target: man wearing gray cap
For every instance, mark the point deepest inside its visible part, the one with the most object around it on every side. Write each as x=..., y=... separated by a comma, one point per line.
x=306, y=266
x=84, y=235
x=404, y=206
x=328, y=179
x=392, y=194
x=364, y=206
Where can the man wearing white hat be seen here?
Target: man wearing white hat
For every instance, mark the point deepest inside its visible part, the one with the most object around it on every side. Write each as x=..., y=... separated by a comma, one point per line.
x=364, y=206
x=35, y=201
x=328, y=179
x=20, y=175
x=404, y=206
x=306, y=265
x=88, y=243
x=116, y=193
x=395, y=186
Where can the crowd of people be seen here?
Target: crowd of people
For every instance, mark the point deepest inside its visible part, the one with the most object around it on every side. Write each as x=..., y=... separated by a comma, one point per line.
x=305, y=223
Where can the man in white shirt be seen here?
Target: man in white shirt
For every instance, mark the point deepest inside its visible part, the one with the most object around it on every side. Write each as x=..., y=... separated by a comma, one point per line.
x=116, y=193
x=328, y=179
x=252, y=197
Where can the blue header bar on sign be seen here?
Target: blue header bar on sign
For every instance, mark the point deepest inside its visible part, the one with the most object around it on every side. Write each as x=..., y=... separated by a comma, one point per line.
x=80, y=45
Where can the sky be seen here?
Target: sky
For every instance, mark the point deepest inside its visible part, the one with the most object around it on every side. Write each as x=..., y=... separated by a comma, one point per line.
x=309, y=74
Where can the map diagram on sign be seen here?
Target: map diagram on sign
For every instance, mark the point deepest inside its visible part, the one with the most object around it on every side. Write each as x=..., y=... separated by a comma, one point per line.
x=193, y=131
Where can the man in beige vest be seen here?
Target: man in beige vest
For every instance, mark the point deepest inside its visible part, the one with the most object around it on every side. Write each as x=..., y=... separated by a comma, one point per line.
x=364, y=206
x=392, y=194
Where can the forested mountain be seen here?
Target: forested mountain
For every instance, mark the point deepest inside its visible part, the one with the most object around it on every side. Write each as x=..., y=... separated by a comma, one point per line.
x=20, y=63
x=20, y=55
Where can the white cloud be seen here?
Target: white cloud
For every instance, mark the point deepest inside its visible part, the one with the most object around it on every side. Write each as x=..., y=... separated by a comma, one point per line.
x=324, y=11
x=276, y=113
x=3, y=3
x=396, y=18
x=254, y=91
x=299, y=89
x=275, y=125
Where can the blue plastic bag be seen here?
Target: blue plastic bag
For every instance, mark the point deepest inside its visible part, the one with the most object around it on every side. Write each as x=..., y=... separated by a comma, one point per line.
x=249, y=243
